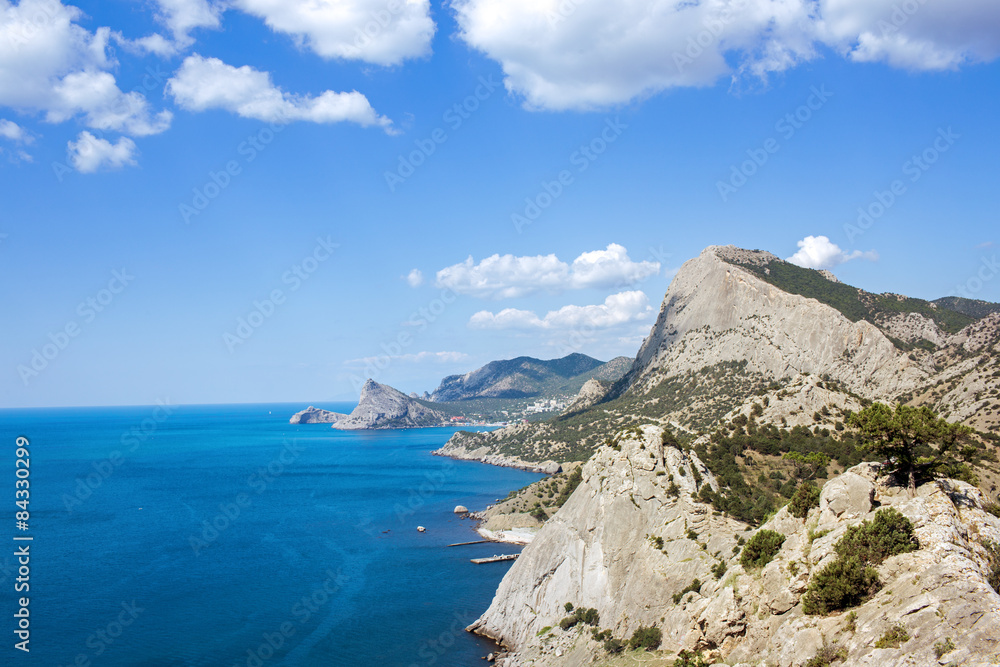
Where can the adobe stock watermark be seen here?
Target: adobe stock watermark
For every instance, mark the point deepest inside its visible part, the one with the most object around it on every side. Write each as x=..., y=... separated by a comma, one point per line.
x=45, y=14
x=216, y=182
x=151, y=80
x=130, y=442
x=377, y=22
x=87, y=310
x=431, y=650
x=417, y=322
x=454, y=118
x=712, y=28
x=580, y=335
x=786, y=126
x=257, y=483
x=988, y=270
x=264, y=309
x=301, y=612
x=581, y=159
x=914, y=168
x=103, y=638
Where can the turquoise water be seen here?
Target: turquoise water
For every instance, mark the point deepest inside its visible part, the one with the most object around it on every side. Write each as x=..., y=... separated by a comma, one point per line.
x=223, y=535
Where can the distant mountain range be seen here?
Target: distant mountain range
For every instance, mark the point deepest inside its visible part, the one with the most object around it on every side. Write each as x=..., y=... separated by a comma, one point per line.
x=497, y=387
x=527, y=377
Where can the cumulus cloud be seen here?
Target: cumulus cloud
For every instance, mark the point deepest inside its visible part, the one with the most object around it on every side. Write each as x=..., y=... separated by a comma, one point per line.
x=180, y=17
x=617, y=309
x=48, y=63
x=14, y=132
x=415, y=278
x=579, y=54
x=208, y=83
x=416, y=357
x=374, y=31
x=505, y=276
x=818, y=252
x=88, y=153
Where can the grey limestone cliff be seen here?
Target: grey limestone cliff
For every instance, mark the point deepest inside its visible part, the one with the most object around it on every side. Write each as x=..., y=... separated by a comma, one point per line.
x=381, y=406
x=626, y=542
x=313, y=415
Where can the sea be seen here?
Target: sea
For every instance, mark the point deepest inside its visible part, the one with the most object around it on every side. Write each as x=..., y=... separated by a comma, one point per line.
x=222, y=535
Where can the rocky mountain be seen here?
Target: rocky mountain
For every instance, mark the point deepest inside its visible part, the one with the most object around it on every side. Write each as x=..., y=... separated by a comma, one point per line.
x=313, y=415
x=634, y=545
x=591, y=392
x=741, y=326
x=381, y=406
x=527, y=377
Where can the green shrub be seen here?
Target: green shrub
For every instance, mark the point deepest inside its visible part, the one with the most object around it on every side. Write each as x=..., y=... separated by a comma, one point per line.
x=614, y=645
x=993, y=508
x=691, y=535
x=841, y=584
x=719, y=569
x=690, y=659
x=543, y=631
x=826, y=656
x=588, y=616
x=894, y=637
x=647, y=638
x=888, y=534
x=692, y=587
x=568, y=622
x=851, y=579
x=569, y=606
x=761, y=549
x=656, y=541
x=804, y=499
x=940, y=648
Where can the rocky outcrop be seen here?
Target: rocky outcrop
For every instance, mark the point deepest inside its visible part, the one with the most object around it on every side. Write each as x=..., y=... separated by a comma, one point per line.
x=624, y=545
x=475, y=446
x=381, y=406
x=313, y=415
x=716, y=311
x=591, y=392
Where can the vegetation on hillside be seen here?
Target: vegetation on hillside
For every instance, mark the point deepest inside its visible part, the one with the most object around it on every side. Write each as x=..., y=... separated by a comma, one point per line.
x=916, y=443
x=851, y=579
x=856, y=304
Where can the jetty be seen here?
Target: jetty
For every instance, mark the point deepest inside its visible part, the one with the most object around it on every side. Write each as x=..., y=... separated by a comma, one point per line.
x=495, y=559
x=462, y=544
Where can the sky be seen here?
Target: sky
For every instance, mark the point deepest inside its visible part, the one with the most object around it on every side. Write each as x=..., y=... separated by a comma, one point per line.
x=274, y=200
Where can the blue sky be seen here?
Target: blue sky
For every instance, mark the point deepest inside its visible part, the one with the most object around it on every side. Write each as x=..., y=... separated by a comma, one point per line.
x=220, y=156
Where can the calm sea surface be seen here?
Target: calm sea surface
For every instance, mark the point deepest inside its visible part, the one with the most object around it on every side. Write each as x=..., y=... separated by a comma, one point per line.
x=223, y=535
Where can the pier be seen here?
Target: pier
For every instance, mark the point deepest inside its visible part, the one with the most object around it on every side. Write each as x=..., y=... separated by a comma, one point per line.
x=495, y=559
x=462, y=544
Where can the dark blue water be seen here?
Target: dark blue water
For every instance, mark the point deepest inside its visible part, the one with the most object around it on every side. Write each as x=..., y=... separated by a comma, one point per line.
x=223, y=535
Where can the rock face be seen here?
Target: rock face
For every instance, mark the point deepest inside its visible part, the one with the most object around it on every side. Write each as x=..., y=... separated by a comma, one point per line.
x=313, y=415
x=382, y=406
x=715, y=311
x=591, y=392
x=603, y=550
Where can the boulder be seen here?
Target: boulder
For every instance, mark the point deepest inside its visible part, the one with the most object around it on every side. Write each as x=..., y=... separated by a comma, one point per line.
x=461, y=509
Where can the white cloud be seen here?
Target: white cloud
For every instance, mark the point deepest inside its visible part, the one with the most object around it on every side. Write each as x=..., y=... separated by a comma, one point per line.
x=383, y=32
x=617, y=309
x=14, y=132
x=415, y=278
x=416, y=357
x=818, y=252
x=49, y=63
x=180, y=17
x=506, y=276
x=88, y=153
x=915, y=34
x=208, y=83
x=581, y=54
